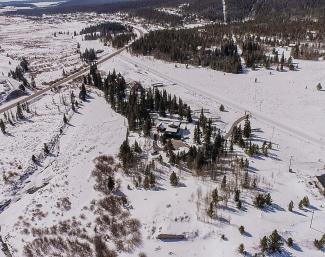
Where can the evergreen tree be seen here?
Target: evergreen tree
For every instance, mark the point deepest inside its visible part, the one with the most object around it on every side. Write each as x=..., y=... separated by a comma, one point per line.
x=239, y=204
x=275, y=242
x=147, y=127
x=173, y=179
x=290, y=242
x=189, y=115
x=224, y=183
x=152, y=179
x=215, y=196
x=46, y=149
x=126, y=155
x=247, y=128
x=197, y=134
x=146, y=183
x=83, y=92
x=264, y=244
x=237, y=195
x=19, y=112
x=137, y=148
x=2, y=126
x=111, y=183
x=290, y=206
x=241, y=249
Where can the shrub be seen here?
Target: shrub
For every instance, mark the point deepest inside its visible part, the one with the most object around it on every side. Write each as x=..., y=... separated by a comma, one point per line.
x=173, y=179
x=241, y=249
x=241, y=229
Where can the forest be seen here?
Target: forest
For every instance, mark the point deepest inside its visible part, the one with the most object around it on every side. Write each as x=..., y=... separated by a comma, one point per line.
x=190, y=46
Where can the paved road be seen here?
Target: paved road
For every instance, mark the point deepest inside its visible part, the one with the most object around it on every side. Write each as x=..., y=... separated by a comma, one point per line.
x=61, y=81
x=66, y=79
x=229, y=133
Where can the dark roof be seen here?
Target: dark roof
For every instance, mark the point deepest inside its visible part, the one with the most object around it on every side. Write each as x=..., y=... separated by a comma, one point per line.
x=321, y=179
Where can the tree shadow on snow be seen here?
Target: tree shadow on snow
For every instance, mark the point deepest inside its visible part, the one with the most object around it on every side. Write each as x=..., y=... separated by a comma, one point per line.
x=298, y=213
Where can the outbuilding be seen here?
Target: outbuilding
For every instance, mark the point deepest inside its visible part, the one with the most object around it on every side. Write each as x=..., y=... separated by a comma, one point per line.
x=320, y=183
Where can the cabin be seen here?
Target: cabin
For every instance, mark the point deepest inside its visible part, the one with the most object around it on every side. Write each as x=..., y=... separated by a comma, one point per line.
x=173, y=129
x=320, y=183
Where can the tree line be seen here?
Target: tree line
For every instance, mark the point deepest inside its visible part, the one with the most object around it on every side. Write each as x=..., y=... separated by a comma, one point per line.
x=191, y=46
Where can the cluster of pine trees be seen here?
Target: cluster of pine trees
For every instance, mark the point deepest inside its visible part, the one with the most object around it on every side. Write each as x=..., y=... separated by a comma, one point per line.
x=89, y=55
x=191, y=46
x=104, y=29
x=155, y=16
x=135, y=102
x=121, y=40
x=19, y=73
x=114, y=32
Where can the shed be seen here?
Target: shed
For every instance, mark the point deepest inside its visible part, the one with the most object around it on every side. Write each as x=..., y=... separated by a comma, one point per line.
x=320, y=183
x=170, y=237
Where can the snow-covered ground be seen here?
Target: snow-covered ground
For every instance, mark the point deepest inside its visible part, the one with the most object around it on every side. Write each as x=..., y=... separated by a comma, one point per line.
x=286, y=109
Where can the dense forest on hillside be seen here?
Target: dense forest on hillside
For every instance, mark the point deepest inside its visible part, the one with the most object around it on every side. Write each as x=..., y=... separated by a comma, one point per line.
x=116, y=33
x=191, y=46
x=155, y=16
x=106, y=28
x=262, y=10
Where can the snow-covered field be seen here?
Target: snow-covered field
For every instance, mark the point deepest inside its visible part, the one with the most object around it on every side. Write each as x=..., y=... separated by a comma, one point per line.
x=286, y=109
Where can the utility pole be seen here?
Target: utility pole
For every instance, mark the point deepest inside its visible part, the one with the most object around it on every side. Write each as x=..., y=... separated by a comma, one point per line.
x=291, y=157
x=312, y=218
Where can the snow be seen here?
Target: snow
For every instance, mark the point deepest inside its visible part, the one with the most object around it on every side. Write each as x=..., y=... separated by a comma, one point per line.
x=286, y=109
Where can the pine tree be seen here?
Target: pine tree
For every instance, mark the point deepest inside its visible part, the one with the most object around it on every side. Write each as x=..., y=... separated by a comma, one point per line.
x=247, y=129
x=215, y=196
x=224, y=183
x=110, y=183
x=19, y=112
x=241, y=249
x=305, y=201
x=46, y=149
x=221, y=108
x=189, y=115
x=137, y=148
x=197, y=134
x=152, y=179
x=237, y=195
x=146, y=183
x=147, y=127
x=173, y=179
x=290, y=206
x=290, y=242
x=126, y=155
x=241, y=229
x=275, y=242
x=83, y=93
x=264, y=244
x=210, y=211
x=239, y=204
x=2, y=126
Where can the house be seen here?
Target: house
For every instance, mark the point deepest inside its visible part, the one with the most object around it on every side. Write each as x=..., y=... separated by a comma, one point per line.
x=173, y=129
x=320, y=183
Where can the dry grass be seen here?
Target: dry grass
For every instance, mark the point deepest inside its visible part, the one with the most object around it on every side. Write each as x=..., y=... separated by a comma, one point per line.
x=73, y=237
